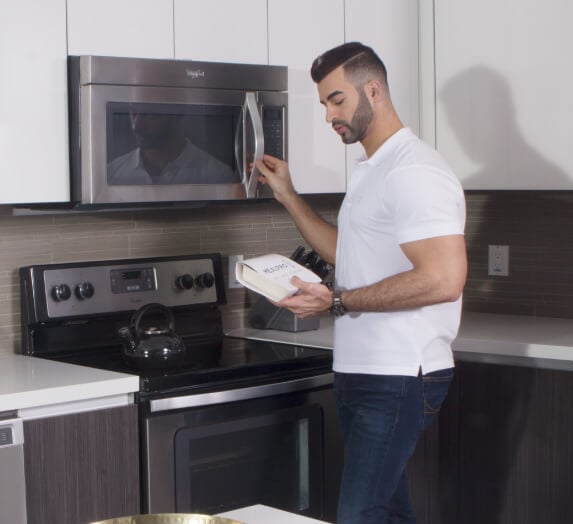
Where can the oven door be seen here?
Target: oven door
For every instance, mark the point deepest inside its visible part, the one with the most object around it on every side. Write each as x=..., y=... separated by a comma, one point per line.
x=162, y=145
x=215, y=452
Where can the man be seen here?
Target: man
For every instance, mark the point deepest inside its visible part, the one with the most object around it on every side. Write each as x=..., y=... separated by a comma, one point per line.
x=400, y=268
x=164, y=155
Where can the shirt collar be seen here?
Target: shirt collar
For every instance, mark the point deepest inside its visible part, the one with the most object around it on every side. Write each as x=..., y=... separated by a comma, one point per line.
x=381, y=152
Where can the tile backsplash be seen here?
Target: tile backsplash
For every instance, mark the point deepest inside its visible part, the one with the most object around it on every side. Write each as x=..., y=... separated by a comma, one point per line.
x=534, y=224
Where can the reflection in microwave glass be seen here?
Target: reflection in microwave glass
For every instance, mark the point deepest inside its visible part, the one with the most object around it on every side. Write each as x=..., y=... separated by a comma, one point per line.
x=172, y=144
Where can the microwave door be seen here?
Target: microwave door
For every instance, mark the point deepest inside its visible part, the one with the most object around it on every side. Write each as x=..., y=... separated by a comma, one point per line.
x=254, y=145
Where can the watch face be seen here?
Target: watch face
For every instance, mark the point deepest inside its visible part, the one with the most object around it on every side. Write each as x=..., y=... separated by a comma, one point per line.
x=337, y=308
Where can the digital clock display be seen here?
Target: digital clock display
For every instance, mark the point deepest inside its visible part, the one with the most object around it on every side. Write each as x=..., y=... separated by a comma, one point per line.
x=133, y=280
x=130, y=275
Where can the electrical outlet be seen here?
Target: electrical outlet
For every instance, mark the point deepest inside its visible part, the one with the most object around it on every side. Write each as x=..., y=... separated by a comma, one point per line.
x=233, y=259
x=498, y=261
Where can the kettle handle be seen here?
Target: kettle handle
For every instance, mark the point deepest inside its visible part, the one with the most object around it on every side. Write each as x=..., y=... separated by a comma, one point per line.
x=155, y=306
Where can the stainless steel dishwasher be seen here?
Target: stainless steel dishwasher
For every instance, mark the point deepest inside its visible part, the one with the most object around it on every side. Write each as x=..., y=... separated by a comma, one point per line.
x=12, y=479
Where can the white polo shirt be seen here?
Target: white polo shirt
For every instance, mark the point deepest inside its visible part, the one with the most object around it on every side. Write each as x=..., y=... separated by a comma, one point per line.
x=404, y=192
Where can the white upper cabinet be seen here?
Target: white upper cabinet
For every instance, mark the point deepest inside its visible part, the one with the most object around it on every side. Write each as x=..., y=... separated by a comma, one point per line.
x=390, y=27
x=221, y=30
x=299, y=31
x=41, y=33
x=33, y=102
x=504, y=78
x=137, y=28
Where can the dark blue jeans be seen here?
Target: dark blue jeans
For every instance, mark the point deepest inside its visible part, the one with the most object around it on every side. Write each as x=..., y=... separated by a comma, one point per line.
x=382, y=417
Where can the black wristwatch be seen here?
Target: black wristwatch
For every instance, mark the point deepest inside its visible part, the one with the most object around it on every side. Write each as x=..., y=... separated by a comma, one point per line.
x=337, y=307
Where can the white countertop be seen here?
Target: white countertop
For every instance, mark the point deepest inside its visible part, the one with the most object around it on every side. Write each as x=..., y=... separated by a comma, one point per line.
x=483, y=333
x=320, y=338
x=37, y=387
x=260, y=514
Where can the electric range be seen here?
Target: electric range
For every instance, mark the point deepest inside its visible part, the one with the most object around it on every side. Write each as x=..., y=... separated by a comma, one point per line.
x=235, y=422
x=73, y=312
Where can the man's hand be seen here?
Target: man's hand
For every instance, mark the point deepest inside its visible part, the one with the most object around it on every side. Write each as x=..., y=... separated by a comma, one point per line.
x=310, y=300
x=276, y=174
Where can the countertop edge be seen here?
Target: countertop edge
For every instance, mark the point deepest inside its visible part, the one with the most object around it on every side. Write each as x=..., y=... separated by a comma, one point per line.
x=36, y=387
x=514, y=336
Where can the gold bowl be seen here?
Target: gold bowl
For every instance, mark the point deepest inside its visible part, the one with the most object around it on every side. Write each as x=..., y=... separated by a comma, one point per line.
x=169, y=518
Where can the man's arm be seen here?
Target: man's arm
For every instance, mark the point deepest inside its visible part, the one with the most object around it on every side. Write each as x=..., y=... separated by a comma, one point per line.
x=320, y=235
x=438, y=275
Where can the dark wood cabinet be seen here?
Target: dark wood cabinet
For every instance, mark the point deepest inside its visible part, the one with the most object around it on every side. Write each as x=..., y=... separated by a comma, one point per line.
x=515, y=445
x=504, y=448
x=82, y=467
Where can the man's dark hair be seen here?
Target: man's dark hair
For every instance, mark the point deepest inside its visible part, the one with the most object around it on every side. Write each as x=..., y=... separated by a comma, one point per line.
x=359, y=62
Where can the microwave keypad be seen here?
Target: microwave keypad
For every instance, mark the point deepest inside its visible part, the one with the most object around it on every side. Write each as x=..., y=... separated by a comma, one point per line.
x=273, y=131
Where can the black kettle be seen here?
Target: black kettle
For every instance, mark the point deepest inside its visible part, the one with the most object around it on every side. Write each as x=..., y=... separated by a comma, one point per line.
x=152, y=346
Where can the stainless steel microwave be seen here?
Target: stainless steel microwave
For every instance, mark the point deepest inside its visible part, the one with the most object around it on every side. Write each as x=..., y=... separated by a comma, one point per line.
x=150, y=131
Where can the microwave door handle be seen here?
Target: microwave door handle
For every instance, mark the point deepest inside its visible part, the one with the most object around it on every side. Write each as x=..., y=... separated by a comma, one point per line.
x=240, y=148
x=257, y=126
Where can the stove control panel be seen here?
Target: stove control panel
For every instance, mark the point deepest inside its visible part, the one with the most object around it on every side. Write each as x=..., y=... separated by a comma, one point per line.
x=100, y=288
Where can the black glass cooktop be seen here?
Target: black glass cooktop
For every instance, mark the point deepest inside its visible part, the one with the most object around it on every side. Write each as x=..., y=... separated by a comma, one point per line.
x=213, y=365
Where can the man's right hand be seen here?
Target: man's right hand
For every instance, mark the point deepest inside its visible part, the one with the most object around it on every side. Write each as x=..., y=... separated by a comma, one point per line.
x=276, y=174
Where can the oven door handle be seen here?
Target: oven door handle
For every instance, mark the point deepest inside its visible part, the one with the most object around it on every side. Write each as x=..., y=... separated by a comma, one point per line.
x=252, y=111
x=235, y=395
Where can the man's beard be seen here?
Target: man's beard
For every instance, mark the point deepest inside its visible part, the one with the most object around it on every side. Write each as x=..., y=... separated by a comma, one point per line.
x=362, y=118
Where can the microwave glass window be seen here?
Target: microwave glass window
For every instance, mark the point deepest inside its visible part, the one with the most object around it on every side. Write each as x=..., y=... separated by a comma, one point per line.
x=172, y=144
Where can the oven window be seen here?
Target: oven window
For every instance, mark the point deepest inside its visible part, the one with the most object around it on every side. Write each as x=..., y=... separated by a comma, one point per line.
x=273, y=459
x=173, y=144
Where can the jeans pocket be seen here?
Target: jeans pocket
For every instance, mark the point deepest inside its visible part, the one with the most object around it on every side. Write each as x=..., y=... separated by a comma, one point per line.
x=435, y=389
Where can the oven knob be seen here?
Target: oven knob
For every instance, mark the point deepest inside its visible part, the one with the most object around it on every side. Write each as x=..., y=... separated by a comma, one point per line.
x=85, y=290
x=184, y=281
x=205, y=280
x=61, y=292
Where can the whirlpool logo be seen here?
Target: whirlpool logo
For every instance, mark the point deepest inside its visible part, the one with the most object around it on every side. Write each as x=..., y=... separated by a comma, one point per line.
x=195, y=73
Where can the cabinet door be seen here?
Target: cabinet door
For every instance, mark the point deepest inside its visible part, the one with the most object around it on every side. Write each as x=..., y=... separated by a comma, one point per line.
x=515, y=445
x=298, y=32
x=140, y=28
x=33, y=102
x=82, y=467
x=390, y=27
x=504, y=77
x=221, y=30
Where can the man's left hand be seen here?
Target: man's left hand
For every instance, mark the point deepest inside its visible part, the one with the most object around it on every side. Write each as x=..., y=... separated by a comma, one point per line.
x=310, y=300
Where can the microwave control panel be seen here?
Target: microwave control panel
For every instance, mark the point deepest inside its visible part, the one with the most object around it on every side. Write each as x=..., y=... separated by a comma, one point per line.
x=273, y=130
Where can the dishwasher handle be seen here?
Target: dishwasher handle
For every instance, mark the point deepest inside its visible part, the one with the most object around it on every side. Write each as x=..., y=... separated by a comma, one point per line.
x=11, y=432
